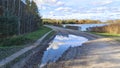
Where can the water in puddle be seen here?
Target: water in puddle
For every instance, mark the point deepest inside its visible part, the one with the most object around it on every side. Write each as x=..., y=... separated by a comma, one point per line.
x=59, y=45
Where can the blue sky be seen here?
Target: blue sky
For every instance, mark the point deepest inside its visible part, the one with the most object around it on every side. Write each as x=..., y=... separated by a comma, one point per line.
x=79, y=9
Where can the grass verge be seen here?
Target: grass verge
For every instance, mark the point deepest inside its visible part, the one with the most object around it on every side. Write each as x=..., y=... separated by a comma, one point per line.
x=28, y=52
x=48, y=36
x=114, y=36
x=23, y=39
x=14, y=44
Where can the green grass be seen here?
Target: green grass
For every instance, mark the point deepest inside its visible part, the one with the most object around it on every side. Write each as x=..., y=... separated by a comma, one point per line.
x=9, y=65
x=24, y=39
x=48, y=36
x=11, y=45
x=106, y=34
x=109, y=35
x=6, y=51
x=27, y=53
x=37, y=34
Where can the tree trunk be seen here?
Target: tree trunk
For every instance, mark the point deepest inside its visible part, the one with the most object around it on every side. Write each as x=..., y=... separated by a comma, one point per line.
x=19, y=23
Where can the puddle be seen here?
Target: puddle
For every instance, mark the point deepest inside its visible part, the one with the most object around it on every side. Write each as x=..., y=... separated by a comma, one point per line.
x=59, y=45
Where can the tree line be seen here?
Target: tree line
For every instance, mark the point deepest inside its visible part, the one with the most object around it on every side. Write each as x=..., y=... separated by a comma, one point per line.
x=17, y=17
x=69, y=21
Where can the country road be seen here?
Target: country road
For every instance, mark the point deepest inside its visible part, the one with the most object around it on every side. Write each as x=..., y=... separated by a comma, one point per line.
x=98, y=52
x=75, y=32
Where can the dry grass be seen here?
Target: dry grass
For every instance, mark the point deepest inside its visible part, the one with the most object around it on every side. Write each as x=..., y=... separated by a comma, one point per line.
x=112, y=28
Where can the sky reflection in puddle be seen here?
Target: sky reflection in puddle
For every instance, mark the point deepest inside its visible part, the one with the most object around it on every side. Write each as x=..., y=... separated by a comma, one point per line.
x=59, y=45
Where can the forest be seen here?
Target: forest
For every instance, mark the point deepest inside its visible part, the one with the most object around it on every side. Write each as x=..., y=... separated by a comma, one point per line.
x=19, y=22
x=17, y=17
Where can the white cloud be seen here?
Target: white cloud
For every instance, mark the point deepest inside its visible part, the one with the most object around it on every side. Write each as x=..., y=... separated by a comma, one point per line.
x=103, y=9
x=60, y=3
x=102, y=2
x=39, y=2
x=79, y=9
x=49, y=2
x=51, y=13
x=98, y=10
x=66, y=9
x=43, y=8
x=97, y=16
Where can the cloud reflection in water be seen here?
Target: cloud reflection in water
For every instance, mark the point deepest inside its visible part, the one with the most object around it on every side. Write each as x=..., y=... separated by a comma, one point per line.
x=59, y=45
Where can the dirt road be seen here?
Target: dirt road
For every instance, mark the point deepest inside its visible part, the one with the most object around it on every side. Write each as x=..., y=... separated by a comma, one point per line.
x=98, y=52
x=75, y=32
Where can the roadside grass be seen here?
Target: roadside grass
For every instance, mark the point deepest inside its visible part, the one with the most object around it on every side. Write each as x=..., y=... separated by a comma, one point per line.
x=28, y=52
x=37, y=34
x=10, y=64
x=109, y=35
x=48, y=36
x=6, y=51
x=24, y=39
x=11, y=45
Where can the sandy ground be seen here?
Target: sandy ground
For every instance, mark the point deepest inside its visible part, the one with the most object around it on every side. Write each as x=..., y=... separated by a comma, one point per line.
x=98, y=52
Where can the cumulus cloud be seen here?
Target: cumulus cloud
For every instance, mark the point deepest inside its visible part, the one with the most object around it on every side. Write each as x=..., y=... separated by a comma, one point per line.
x=49, y=2
x=102, y=2
x=39, y=2
x=66, y=9
x=51, y=13
x=60, y=3
x=103, y=9
x=80, y=9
